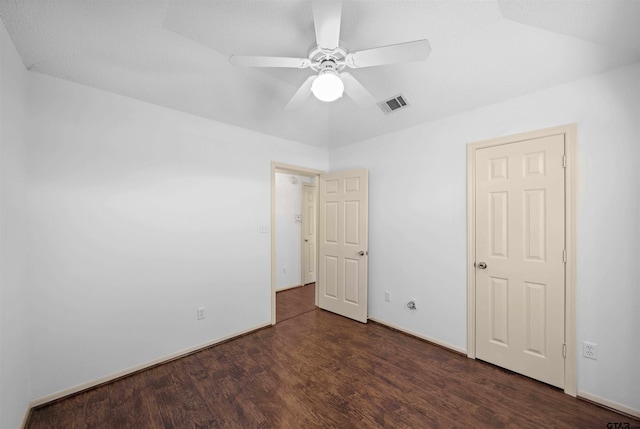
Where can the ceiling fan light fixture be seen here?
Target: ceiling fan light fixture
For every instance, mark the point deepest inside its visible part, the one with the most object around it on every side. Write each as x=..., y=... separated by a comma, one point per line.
x=327, y=86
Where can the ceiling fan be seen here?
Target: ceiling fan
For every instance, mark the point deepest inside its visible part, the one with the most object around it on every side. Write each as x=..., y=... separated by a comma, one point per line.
x=329, y=59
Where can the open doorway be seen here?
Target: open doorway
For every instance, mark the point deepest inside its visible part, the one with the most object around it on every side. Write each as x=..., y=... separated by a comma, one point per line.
x=293, y=244
x=295, y=301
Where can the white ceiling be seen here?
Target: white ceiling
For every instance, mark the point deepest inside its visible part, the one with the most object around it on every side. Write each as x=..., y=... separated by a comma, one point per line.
x=175, y=54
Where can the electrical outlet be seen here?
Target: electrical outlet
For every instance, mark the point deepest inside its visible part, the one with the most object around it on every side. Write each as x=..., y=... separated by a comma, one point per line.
x=200, y=313
x=284, y=270
x=590, y=350
x=387, y=296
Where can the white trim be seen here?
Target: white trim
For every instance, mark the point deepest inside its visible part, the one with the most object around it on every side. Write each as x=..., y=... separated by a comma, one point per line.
x=111, y=377
x=294, y=169
x=25, y=417
x=302, y=246
x=471, y=256
x=280, y=289
x=290, y=169
x=570, y=133
x=571, y=315
x=610, y=404
x=422, y=337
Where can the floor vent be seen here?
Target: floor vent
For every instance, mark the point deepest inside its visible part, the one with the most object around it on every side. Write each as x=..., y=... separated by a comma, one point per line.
x=393, y=104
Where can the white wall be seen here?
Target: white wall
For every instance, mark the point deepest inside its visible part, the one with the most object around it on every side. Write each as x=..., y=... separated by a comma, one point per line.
x=288, y=230
x=14, y=334
x=139, y=215
x=418, y=219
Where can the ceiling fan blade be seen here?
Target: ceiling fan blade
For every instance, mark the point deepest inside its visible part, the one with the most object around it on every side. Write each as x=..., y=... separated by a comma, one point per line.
x=326, y=17
x=301, y=94
x=417, y=50
x=356, y=91
x=254, y=61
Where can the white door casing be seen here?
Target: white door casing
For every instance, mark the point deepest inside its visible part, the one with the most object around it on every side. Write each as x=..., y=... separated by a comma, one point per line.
x=309, y=227
x=520, y=236
x=289, y=169
x=343, y=243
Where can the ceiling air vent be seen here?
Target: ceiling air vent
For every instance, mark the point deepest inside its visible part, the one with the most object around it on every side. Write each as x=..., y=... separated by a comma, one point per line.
x=393, y=104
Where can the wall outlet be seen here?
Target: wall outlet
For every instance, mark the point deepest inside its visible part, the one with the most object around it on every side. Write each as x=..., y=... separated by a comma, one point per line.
x=387, y=296
x=590, y=350
x=200, y=313
x=284, y=270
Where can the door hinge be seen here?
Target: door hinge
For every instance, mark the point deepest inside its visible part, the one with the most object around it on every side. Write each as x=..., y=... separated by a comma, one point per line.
x=564, y=255
x=564, y=161
x=564, y=350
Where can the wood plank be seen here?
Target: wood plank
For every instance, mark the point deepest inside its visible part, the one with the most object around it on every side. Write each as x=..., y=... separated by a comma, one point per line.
x=294, y=302
x=132, y=404
x=316, y=370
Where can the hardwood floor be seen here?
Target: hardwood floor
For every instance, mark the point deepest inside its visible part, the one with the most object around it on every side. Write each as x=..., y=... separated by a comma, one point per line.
x=294, y=302
x=320, y=370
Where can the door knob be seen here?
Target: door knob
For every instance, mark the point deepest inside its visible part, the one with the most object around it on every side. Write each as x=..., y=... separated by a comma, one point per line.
x=362, y=253
x=306, y=240
x=482, y=265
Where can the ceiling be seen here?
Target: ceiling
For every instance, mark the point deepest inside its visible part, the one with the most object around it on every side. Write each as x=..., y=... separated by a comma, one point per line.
x=175, y=54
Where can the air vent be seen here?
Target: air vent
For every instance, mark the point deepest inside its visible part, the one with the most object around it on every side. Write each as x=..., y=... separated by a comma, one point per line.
x=393, y=104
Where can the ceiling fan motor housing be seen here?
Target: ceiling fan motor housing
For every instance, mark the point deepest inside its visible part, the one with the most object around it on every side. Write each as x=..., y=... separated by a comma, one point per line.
x=328, y=65
x=321, y=58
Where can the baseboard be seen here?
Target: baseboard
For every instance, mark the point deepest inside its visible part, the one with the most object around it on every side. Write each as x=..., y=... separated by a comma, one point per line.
x=288, y=287
x=25, y=418
x=609, y=404
x=442, y=344
x=129, y=371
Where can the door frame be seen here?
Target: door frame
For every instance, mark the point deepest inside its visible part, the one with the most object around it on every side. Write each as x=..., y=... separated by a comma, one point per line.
x=279, y=167
x=302, y=246
x=569, y=131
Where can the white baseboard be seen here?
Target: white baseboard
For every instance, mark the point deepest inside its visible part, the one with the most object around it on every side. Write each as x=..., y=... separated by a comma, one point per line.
x=23, y=423
x=422, y=337
x=84, y=386
x=280, y=289
x=610, y=404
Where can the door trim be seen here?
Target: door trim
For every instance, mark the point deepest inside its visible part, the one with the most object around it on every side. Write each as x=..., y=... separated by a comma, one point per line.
x=302, y=246
x=280, y=167
x=569, y=132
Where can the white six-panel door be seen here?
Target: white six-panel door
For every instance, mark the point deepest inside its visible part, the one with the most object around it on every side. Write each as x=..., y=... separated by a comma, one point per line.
x=520, y=237
x=343, y=243
x=309, y=226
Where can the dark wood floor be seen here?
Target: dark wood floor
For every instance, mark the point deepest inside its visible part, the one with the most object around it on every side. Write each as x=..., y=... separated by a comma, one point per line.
x=320, y=370
x=294, y=302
